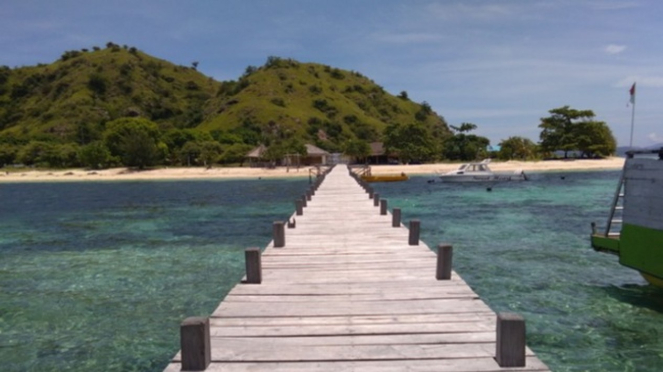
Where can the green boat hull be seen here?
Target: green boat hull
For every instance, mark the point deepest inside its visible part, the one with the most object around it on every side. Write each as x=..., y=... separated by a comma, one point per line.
x=638, y=247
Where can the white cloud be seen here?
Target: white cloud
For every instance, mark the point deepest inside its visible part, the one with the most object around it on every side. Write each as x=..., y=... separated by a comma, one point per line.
x=615, y=49
x=655, y=137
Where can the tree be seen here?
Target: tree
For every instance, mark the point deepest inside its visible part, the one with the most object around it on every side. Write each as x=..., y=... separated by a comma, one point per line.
x=94, y=155
x=235, y=153
x=462, y=146
x=135, y=141
x=410, y=142
x=594, y=138
x=357, y=148
x=517, y=148
x=210, y=152
x=569, y=129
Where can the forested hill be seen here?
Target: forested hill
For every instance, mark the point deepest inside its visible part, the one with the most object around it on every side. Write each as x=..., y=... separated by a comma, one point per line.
x=70, y=101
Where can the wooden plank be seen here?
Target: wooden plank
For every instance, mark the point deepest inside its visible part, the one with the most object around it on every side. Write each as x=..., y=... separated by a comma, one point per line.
x=484, y=316
x=431, y=365
x=352, y=329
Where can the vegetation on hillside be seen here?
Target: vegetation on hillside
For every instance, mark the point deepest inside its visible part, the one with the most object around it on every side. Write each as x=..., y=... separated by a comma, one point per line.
x=119, y=106
x=60, y=115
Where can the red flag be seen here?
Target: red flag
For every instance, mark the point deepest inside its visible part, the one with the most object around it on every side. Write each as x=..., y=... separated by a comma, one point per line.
x=632, y=91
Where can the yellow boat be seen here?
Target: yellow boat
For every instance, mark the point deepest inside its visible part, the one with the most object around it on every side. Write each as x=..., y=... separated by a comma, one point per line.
x=385, y=177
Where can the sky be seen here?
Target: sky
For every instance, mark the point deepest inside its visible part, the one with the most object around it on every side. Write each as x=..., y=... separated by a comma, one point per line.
x=499, y=64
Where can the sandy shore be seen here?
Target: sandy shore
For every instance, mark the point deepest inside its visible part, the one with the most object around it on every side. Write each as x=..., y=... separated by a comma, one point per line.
x=123, y=174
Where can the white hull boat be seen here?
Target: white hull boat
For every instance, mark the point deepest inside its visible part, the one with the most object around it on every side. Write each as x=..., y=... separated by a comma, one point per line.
x=480, y=172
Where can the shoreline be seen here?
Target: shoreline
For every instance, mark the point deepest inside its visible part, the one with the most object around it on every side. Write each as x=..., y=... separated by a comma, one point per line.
x=124, y=174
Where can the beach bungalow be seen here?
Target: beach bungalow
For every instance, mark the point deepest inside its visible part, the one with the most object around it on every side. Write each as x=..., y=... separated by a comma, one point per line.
x=255, y=156
x=314, y=156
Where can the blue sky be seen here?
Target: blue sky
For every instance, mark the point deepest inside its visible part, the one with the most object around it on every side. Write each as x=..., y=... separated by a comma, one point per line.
x=500, y=64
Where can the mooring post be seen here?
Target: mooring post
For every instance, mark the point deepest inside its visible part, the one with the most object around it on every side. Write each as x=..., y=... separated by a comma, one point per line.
x=304, y=201
x=444, y=260
x=376, y=199
x=195, y=344
x=278, y=233
x=292, y=224
x=383, y=207
x=253, y=266
x=396, y=217
x=299, y=207
x=415, y=226
x=370, y=193
x=510, y=350
x=308, y=195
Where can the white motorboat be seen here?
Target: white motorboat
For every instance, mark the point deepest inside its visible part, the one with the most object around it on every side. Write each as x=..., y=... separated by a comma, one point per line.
x=480, y=172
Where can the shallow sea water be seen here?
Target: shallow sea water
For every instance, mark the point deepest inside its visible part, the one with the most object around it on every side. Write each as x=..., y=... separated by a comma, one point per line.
x=98, y=276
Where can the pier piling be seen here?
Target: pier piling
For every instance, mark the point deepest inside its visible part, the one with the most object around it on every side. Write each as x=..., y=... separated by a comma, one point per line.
x=396, y=217
x=510, y=341
x=278, y=233
x=415, y=226
x=444, y=261
x=253, y=266
x=195, y=344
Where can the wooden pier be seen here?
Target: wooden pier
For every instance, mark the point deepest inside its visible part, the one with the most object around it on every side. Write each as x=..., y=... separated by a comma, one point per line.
x=348, y=291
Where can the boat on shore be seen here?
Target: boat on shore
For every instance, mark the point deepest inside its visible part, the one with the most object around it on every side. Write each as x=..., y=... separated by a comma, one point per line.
x=481, y=172
x=634, y=230
x=366, y=175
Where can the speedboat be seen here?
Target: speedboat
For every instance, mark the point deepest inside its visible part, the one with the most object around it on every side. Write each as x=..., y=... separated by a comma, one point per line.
x=480, y=172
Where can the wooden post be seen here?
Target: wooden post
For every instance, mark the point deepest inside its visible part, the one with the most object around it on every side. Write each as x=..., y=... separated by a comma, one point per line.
x=415, y=226
x=299, y=207
x=308, y=195
x=292, y=224
x=370, y=193
x=376, y=199
x=304, y=201
x=279, y=234
x=383, y=207
x=396, y=217
x=510, y=350
x=195, y=344
x=444, y=259
x=253, y=265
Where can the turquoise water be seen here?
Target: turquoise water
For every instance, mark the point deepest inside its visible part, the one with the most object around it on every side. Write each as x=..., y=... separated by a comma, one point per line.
x=98, y=276
x=524, y=247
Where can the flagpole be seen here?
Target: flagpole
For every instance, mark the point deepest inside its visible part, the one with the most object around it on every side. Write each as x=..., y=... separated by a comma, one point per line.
x=632, y=113
x=632, y=121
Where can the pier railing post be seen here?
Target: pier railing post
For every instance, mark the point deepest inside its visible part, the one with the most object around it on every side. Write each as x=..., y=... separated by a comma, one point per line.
x=396, y=217
x=383, y=207
x=376, y=199
x=370, y=193
x=278, y=233
x=308, y=195
x=510, y=350
x=253, y=265
x=195, y=344
x=415, y=226
x=304, y=201
x=444, y=260
x=299, y=207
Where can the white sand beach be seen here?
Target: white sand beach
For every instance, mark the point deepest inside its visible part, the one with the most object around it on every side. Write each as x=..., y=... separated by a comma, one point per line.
x=124, y=174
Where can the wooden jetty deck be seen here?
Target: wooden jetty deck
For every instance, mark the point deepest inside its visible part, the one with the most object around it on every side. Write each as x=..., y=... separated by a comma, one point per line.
x=347, y=292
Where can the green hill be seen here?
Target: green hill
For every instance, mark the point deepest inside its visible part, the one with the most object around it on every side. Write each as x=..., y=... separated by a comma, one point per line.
x=311, y=101
x=71, y=100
